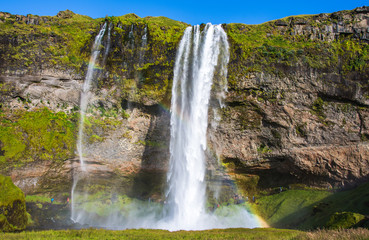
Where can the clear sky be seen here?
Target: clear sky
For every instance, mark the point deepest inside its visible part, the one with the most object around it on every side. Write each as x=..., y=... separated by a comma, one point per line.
x=190, y=11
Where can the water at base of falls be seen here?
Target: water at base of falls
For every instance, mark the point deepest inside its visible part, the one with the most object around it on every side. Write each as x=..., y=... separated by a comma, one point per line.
x=201, y=55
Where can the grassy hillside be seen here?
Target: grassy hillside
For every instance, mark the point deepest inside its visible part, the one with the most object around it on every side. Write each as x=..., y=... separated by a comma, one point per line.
x=13, y=215
x=310, y=208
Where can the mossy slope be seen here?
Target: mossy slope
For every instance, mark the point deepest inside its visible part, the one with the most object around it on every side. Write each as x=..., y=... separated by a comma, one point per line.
x=39, y=135
x=311, y=208
x=13, y=215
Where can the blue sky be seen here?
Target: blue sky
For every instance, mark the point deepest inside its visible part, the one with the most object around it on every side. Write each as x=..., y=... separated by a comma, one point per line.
x=190, y=11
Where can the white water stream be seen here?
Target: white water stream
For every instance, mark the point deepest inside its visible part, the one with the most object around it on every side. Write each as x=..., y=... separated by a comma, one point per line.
x=85, y=94
x=85, y=97
x=200, y=55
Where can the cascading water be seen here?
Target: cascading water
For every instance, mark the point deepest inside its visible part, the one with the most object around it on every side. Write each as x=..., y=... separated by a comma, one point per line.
x=143, y=46
x=193, y=74
x=199, y=56
x=202, y=56
x=85, y=96
x=107, y=48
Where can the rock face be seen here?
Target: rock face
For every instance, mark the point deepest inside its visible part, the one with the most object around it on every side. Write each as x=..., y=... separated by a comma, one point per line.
x=296, y=110
x=299, y=119
x=13, y=215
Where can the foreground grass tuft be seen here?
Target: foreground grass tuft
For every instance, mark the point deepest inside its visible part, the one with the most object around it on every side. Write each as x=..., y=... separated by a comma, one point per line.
x=354, y=234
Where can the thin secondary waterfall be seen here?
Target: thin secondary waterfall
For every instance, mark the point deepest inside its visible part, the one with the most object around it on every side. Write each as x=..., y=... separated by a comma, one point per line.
x=85, y=94
x=199, y=55
x=143, y=46
x=107, y=48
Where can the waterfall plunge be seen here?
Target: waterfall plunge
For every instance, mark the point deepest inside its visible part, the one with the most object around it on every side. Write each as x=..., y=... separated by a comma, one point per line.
x=196, y=61
x=201, y=54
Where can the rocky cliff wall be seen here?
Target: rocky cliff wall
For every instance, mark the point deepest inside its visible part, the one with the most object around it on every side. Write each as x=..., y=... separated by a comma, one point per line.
x=297, y=101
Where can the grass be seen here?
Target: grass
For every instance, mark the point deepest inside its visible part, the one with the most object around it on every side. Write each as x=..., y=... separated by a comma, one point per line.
x=288, y=208
x=342, y=234
x=40, y=199
x=236, y=233
x=309, y=208
x=158, y=234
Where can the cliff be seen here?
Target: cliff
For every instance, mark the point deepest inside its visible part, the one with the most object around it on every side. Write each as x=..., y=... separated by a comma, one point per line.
x=296, y=108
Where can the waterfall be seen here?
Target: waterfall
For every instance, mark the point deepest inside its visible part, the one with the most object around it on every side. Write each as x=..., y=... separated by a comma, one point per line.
x=200, y=54
x=131, y=37
x=201, y=59
x=107, y=48
x=143, y=47
x=85, y=96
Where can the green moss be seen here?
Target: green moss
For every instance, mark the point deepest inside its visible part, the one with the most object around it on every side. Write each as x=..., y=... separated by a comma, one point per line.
x=38, y=135
x=263, y=149
x=58, y=41
x=276, y=50
x=38, y=199
x=300, y=130
x=318, y=108
x=152, y=143
x=306, y=208
x=344, y=220
x=247, y=184
x=13, y=215
x=288, y=208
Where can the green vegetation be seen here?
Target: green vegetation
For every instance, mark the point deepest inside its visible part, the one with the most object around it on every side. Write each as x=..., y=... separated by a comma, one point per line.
x=159, y=234
x=40, y=199
x=63, y=42
x=235, y=233
x=310, y=208
x=344, y=220
x=289, y=208
x=263, y=149
x=318, y=108
x=37, y=135
x=55, y=41
x=300, y=130
x=145, y=78
x=13, y=215
x=275, y=49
